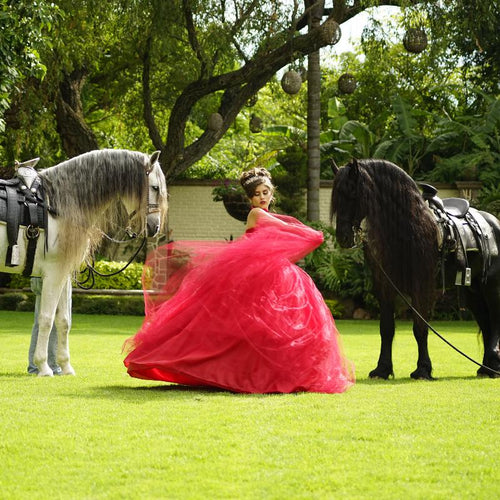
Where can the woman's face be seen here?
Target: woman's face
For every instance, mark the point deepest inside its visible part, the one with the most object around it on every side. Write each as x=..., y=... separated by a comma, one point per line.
x=262, y=196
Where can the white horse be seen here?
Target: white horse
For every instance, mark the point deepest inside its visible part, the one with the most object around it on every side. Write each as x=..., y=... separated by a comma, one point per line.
x=81, y=195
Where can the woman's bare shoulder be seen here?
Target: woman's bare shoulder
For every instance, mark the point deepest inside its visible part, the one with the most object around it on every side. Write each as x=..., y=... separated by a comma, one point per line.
x=257, y=214
x=253, y=216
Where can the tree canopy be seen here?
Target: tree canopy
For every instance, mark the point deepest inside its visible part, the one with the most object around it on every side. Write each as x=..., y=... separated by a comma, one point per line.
x=148, y=74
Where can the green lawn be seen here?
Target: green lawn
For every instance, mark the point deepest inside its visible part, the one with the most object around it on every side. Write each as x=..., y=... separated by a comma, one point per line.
x=104, y=435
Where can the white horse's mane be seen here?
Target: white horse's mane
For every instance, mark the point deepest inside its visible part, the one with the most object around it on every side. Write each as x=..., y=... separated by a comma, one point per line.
x=83, y=193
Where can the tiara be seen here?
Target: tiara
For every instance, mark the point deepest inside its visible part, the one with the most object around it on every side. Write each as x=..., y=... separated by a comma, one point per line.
x=256, y=177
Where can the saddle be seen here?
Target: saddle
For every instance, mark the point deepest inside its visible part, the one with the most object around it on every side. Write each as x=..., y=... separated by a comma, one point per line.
x=22, y=204
x=463, y=230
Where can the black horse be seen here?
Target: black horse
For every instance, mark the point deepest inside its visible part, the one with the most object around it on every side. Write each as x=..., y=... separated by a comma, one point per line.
x=405, y=239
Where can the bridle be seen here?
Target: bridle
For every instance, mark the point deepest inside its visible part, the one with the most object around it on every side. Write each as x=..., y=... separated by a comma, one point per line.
x=151, y=208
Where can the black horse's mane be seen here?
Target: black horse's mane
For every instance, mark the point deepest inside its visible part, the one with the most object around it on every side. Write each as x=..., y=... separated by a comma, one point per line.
x=402, y=235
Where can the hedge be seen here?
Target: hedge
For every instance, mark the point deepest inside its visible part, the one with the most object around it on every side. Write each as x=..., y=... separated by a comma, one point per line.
x=128, y=279
x=83, y=304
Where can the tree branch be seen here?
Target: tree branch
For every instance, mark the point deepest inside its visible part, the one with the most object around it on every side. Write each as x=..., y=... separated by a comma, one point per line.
x=193, y=39
x=238, y=87
x=153, y=131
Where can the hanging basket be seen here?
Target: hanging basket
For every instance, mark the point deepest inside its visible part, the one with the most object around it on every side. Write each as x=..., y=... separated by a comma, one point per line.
x=215, y=121
x=347, y=83
x=415, y=40
x=256, y=124
x=291, y=82
x=330, y=32
x=237, y=206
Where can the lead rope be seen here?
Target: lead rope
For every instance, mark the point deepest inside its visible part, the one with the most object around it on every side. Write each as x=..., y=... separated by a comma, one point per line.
x=91, y=271
x=359, y=241
x=430, y=326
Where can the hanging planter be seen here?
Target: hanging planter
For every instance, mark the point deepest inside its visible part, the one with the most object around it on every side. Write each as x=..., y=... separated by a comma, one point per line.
x=236, y=205
x=330, y=33
x=256, y=124
x=215, y=121
x=347, y=83
x=291, y=82
x=233, y=198
x=415, y=40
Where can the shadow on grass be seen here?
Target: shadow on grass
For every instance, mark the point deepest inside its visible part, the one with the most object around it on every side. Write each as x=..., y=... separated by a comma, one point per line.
x=176, y=390
x=409, y=380
x=185, y=391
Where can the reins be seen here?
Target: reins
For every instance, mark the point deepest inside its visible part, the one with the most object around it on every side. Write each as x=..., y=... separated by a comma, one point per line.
x=91, y=271
x=360, y=242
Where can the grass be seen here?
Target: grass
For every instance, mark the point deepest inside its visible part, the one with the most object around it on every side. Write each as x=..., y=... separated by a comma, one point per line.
x=104, y=435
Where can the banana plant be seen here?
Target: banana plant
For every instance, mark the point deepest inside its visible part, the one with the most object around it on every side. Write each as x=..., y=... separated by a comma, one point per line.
x=468, y=147
x=406, y=146
x=345, y=138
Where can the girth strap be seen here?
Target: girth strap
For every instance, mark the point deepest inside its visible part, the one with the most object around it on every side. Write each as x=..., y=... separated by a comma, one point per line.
x=23, y=206
x=13, y=220
x=35, y=221
x=485, y=238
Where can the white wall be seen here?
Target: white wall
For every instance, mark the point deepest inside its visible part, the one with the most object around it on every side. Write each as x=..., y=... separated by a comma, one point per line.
x=194, y=216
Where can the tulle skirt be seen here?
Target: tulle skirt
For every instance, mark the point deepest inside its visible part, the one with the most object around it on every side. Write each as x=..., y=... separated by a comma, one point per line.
x=239, y=316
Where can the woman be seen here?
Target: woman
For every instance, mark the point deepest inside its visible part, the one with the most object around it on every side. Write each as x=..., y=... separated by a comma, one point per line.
x=240, y=316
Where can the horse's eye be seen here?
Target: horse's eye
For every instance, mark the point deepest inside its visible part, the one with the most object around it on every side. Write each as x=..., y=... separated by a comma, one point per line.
x=155, y=188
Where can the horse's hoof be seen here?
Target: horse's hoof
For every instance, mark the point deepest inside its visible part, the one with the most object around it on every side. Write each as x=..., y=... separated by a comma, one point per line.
x=421, y=375
x=44, y=370
x=380, y=374
x=68, y=370
x=485, y=373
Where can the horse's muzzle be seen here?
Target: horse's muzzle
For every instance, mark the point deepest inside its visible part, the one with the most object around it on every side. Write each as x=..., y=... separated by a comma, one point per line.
x=345, y=241
x=153, y=224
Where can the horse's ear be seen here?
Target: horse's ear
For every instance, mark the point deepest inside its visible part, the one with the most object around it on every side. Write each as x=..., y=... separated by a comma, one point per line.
x=355, y=168
x=29, y=163
x=335, y=168
x=154, y=157
x=152, y=160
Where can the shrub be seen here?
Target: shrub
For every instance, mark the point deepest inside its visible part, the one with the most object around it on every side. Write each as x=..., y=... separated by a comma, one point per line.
x=13, y=301
x=107, y=304
x=339, y=273
x=128, y=279
x=336, y=308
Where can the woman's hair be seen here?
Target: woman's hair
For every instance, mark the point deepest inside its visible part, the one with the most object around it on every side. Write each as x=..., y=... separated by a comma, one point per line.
x=252, y=178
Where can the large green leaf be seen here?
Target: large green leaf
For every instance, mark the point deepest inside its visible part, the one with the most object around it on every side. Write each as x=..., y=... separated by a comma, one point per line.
x=444, y=142
x=403, y=111
x=361, y=134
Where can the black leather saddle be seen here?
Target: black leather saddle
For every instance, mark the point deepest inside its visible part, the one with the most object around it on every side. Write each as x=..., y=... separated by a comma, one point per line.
x=22, y=205
x=464, y=230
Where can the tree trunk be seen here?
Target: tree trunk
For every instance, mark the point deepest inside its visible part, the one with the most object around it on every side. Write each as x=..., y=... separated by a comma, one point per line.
x=76, y=136
x=313, y=118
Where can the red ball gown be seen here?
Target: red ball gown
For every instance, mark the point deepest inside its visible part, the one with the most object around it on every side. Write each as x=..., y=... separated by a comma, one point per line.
x=239, y=316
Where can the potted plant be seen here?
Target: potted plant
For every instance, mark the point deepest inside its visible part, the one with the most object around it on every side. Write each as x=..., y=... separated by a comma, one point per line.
x=234, y=199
